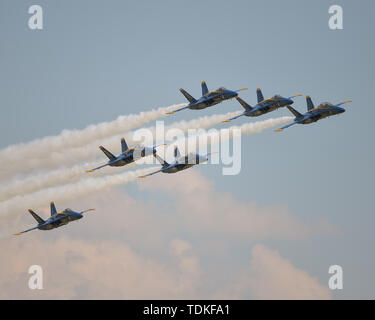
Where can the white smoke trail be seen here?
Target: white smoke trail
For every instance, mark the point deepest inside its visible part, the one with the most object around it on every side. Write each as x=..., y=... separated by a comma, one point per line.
x=66, y=192
x=83, y=153
x=26, y=156
x=191, y=143
x=63, y=176
x=38, y=181
x=42, y=180
x=259, y=126
x=90, y=185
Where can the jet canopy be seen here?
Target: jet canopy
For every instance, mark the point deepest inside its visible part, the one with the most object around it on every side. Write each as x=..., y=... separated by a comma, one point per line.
x=68, y=210
x=277, y=96
x=325, y=105
x=221, y=89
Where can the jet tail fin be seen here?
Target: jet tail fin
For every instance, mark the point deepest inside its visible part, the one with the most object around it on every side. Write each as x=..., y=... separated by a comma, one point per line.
x=36, y=217
x=295, y=112
x=204, y=88
x=309, y=103
x=124, y=145
x=176, y=152
x=260, y=95
x=246, y=106
x=107, y=153
x=188, y=96
x=53, y=208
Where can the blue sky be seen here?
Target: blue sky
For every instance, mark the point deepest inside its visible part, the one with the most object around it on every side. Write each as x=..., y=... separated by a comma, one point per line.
x=95, y=60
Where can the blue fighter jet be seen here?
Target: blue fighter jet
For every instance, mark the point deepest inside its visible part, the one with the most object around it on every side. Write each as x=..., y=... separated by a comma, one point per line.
x=208, y=99
x=128, y=155
x=264, y=105
x=313, y=114
x=180, y=163
x=56, y=220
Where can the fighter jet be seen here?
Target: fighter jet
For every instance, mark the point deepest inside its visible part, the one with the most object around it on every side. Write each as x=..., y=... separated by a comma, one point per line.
x=208, y=99
x=313, y=114
x=128, y=155
x=180, y=163
x=56, y=220
x=264, y=105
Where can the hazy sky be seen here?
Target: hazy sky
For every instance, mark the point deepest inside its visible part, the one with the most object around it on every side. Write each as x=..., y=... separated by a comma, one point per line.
x=96, y=60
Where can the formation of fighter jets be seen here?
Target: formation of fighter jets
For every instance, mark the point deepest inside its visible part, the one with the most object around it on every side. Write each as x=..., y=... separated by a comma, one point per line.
x=208, y=99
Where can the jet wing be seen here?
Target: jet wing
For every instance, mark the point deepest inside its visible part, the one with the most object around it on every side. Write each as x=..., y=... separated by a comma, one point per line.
x=19, y=233
x=287, y=126
x=172, y=112
x=150, y=174
x=107, y=164
x=339, y=104
x=92, y=170
x=240, y=115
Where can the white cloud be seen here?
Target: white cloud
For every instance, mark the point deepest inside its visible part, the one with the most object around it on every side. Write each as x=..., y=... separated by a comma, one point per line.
x=271, y=276
x=88, y=269
x=203, y=209
x=145, y=248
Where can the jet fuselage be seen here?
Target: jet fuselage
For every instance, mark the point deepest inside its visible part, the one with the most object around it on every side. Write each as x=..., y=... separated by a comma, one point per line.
x=318, y=114
x=60, y=219
x=268, y=105
x=212, y=98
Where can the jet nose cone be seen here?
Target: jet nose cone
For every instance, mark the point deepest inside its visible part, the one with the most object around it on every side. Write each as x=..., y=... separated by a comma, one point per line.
x=341, y=110
x=290, y=101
